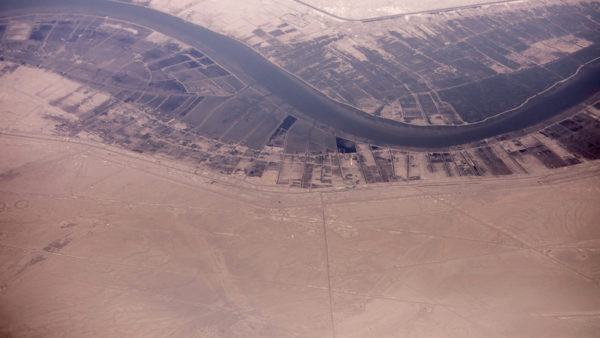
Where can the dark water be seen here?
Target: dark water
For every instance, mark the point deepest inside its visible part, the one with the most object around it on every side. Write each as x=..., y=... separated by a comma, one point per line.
x=254, y=68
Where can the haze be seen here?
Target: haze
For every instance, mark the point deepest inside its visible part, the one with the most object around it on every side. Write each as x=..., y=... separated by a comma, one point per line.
x=310, y=168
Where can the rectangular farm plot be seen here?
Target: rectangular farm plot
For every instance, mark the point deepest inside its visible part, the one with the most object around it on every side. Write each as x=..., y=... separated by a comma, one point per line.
x=291, y=171
x=259, y=136
x=229, y=113
x=250, y=121
x=202, y=110
x=297, y=136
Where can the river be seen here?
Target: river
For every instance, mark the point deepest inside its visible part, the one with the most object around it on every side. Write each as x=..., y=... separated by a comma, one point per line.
x=250, y=65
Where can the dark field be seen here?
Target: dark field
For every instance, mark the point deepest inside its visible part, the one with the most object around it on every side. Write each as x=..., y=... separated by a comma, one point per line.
x=469, y=63
x=198, y=110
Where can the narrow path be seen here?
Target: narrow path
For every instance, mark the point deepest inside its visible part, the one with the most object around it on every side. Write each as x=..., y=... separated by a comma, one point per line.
x=327, y=265
x=401, y=15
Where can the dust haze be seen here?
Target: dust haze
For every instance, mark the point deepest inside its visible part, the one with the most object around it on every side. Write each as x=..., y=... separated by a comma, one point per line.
x=403, y=169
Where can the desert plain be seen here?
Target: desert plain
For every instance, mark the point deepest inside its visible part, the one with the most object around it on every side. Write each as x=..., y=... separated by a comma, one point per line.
x=132, y=223
x=98, y=241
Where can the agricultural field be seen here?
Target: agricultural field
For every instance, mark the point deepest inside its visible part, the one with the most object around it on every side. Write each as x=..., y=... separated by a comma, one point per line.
x=150, y=186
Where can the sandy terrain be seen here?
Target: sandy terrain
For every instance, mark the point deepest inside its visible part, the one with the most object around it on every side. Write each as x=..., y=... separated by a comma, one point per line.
x=96, y=241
